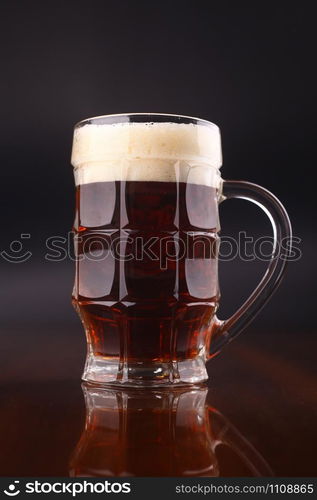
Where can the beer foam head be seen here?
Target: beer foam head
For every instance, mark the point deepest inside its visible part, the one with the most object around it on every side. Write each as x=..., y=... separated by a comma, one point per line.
x=153, y=151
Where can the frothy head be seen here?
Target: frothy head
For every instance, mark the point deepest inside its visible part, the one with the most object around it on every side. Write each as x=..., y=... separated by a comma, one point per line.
x=149, y=151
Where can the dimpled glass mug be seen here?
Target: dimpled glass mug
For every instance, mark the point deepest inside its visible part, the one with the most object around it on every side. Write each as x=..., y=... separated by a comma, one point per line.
x=146, y=244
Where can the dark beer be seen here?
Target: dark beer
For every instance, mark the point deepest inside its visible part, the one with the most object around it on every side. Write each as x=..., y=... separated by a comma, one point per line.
x=146, y=242
x=146, y=283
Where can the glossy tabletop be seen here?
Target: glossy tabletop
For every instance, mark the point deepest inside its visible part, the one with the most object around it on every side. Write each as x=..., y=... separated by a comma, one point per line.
x=257, y=416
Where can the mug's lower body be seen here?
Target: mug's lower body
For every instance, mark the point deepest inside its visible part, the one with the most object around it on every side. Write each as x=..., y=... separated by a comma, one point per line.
x=158, y=345
x=100, y=370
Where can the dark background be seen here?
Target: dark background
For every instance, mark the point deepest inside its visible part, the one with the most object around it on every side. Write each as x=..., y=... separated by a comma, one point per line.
x=244, y=65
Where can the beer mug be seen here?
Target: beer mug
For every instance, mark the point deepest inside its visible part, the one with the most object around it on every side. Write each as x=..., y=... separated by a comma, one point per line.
x=135, y=432
x=146, y=245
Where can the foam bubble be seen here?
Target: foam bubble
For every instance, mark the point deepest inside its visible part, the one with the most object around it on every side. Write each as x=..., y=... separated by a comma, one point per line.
x=147, y=152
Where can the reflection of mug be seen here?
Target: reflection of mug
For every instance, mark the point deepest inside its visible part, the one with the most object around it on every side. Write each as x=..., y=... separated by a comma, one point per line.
x=146, y=288
x=160, y=433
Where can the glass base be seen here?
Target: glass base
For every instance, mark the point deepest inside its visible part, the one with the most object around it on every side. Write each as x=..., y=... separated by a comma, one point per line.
x=141, y=374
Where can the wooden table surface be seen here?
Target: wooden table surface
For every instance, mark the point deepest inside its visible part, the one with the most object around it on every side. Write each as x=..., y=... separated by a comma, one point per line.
x=264, y=384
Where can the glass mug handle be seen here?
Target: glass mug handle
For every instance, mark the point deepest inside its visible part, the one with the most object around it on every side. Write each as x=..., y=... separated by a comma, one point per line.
x=223, y=331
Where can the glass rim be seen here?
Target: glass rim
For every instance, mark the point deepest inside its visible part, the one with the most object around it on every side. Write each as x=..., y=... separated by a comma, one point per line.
x=112, y=119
